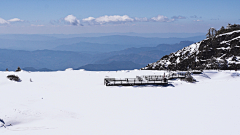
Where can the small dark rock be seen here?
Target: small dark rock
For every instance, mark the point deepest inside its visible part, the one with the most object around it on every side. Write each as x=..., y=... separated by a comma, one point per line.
x=18, y=69
x=13, y=78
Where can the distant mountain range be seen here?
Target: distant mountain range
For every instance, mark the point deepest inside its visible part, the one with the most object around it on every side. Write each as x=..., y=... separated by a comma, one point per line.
x=60, y=53
x=34, y=69
x=84, y=44
x=143, y=55
x=133, y=58
x=159, y=35
x=60, y=60
x=54, y=60
x=112, y=66
x=91, y=47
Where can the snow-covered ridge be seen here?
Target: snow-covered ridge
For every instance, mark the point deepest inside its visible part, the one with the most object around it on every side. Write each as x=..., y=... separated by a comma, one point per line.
x=228, y=42
x=186, y=52
x=222, y=52
x=193, y=48
x=228, y=33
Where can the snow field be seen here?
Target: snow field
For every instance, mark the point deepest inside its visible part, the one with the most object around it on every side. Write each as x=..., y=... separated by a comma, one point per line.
x=77, y=102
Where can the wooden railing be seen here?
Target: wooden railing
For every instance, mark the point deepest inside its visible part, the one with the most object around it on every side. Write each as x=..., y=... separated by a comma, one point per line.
x=145, y=80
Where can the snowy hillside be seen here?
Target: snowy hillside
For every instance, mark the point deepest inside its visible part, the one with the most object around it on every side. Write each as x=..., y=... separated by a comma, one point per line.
x=76, y=102
x=221, y=52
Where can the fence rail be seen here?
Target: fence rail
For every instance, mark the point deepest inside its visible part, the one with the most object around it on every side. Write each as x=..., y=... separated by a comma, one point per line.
x=133, y=81
x=145, y=80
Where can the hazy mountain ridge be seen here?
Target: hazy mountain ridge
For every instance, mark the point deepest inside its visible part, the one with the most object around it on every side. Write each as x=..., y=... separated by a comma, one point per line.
x=117, y=42
x=159, y=35
x=143, y=55
x=41, y=42
x=54, y=60
x=60, y=60
x=34, y=69
x=137, y=56
x=91, y=47
x=112, y=66
x=76, y=52
x=30, y=37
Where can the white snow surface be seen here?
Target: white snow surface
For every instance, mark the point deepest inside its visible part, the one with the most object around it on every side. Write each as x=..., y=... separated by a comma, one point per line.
x=75, y=102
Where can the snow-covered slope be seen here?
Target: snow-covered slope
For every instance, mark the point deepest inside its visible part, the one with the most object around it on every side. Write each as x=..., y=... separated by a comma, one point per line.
x=77, y=102
x=223, y=52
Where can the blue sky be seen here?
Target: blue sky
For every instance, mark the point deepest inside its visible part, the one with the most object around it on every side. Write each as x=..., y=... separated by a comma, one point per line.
x=106, y=16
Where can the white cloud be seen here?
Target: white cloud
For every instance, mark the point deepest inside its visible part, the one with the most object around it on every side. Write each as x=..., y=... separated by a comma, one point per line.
x=89, y=19
x=161, y=18
x=72, y=20
x=2, y=21
x=114, y=18
x=108, y=19
x=15, y=20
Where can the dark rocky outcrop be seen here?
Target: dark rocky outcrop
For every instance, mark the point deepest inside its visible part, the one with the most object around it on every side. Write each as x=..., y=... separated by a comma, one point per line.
x=18, y=69
x=14, y=78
